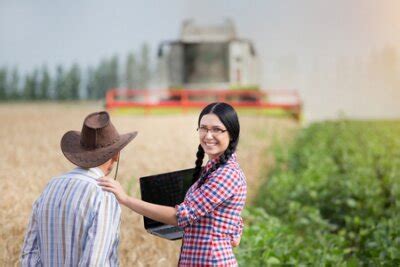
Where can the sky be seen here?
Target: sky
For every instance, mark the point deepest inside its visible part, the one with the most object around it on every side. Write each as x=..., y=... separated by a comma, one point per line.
x=298, y=42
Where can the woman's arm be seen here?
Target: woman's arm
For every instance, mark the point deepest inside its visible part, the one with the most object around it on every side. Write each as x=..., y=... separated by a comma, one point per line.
x=156, y=212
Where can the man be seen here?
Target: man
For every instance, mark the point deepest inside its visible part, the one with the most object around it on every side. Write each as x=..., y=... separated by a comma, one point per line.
x=74, y=222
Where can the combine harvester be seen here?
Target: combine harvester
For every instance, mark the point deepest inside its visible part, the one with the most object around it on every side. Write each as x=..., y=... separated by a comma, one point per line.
x=207, y=64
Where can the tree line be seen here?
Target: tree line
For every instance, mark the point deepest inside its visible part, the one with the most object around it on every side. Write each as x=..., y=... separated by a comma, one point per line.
x=75, y=83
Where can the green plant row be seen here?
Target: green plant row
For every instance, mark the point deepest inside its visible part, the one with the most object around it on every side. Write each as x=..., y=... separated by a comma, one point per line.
x=333, y=199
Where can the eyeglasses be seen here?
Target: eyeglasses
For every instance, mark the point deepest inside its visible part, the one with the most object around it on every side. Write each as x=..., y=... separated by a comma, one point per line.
x=214, y=130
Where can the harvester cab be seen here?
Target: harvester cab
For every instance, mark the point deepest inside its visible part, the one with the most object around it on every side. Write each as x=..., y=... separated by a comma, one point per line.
x=208, y=57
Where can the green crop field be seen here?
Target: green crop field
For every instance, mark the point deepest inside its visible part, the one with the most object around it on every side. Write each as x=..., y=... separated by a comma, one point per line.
x=333, y=199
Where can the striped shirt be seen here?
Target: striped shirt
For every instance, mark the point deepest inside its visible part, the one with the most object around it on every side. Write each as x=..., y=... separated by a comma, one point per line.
x=73, y=223
x=210, y=216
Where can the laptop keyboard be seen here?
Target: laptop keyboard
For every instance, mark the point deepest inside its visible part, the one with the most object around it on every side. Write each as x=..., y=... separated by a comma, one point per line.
x=169, y=230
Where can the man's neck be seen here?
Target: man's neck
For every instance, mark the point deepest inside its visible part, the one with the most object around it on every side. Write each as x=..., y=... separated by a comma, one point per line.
x=104, y=168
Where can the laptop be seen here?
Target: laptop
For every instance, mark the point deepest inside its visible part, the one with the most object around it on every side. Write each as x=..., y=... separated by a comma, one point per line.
x=166, y=189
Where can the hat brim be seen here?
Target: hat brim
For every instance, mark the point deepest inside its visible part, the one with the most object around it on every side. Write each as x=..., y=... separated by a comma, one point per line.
x=78, y=155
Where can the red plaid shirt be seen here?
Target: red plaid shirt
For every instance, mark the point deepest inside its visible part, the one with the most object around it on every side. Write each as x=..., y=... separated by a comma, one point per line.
x=210, y=217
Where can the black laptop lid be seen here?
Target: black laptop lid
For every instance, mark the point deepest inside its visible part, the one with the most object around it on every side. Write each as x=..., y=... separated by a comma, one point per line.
x=167, y=189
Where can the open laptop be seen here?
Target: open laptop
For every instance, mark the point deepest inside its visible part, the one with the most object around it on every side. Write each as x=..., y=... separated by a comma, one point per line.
x=167, y=189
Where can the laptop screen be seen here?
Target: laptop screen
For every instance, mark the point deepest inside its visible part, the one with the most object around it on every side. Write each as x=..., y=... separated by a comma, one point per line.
x=167, y=189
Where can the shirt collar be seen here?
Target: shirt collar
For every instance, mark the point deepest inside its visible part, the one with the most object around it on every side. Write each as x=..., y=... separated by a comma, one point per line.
x=213, y=161
x=95, y=172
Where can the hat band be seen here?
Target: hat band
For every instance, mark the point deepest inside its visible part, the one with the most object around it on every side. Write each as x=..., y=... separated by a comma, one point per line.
x=99, y=145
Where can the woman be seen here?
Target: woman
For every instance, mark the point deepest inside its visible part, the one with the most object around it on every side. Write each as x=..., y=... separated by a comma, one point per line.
x=210, y=212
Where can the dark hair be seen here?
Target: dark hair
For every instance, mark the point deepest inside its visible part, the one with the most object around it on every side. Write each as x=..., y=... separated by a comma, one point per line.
x=228, y=116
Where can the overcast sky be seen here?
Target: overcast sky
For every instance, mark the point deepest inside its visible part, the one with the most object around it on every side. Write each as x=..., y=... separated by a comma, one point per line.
x=62, y=32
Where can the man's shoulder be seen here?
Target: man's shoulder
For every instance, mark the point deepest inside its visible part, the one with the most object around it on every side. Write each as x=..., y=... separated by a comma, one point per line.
x=77, y=179
x=78, y=182
x=89, y=178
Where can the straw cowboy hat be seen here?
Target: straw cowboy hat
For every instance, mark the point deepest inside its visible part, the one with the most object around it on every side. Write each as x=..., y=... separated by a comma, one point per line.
x=98, y=141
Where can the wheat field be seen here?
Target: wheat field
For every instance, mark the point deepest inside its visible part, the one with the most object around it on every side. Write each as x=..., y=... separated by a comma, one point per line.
x=29, y=139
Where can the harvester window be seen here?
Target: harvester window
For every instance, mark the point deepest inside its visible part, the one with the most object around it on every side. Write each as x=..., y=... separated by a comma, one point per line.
x=206, y=63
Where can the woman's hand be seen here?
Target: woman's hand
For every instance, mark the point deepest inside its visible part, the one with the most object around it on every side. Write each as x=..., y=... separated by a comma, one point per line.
x=236, y=242
x=156, y=212
x=114, y=187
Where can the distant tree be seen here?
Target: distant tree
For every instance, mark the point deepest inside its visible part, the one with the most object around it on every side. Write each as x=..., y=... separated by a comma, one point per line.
x=131, y=69
x=113, y=81
x=13, y=87
x=30, y=91
x=44, y=87
x=60, y=88
x=72, y=82
x=101, y=79
x=35, y=84
x=3, y=84
x=91, y=84
x=28, y=87
x=144, y=69
x=105, y=77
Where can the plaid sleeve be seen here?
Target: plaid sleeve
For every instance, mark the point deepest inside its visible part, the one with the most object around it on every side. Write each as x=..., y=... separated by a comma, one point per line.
x=239, y=230
x=220, y=187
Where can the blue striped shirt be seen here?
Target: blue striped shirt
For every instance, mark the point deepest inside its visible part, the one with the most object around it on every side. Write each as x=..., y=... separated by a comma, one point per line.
x=73, y=223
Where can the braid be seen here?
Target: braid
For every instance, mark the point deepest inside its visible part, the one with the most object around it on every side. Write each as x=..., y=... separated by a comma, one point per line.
x=227, y=154
x=222, y=161
x=199, y=162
